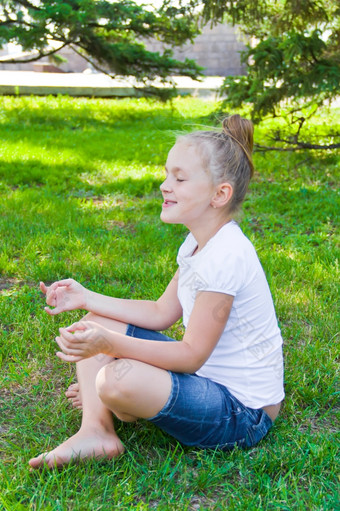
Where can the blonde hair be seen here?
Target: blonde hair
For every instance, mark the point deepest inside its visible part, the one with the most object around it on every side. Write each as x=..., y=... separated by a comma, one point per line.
x=227, y=155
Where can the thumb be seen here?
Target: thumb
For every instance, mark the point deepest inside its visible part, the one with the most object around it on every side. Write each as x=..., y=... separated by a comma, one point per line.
x=79, y=325
x=43, y=288
x=53, y=312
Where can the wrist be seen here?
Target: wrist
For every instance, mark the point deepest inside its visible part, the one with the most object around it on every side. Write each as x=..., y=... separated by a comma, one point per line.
x=108, y=344
x=88, y=300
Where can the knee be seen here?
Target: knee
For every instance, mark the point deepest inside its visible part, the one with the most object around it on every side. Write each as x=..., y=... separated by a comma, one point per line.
x=112, y=384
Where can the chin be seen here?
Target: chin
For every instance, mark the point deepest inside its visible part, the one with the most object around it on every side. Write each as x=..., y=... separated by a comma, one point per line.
x=166, y=220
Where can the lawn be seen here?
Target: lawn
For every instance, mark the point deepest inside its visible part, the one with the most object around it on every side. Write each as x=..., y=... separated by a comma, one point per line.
x=79, y=196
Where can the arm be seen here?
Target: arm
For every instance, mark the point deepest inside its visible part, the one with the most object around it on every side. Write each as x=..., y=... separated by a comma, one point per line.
x=154, y=315
x=207, y=322
x=68, y=294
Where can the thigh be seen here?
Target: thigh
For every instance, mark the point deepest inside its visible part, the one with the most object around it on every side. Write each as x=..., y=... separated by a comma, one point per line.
x=110, y=324
x=202, y=413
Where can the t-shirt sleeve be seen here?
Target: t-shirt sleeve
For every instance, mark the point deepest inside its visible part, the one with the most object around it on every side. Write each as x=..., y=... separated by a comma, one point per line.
x=222, y=273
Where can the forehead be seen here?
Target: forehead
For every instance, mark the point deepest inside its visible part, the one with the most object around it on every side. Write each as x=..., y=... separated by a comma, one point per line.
x=185, y=157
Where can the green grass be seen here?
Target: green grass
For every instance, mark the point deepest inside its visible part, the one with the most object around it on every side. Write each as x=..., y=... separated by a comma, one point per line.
x=79, y=196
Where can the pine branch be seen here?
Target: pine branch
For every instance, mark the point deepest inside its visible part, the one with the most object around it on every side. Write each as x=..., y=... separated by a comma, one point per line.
x=16, y=22
x=90, y=61
x=148, y=91
x=28, y=5
x=33, y=59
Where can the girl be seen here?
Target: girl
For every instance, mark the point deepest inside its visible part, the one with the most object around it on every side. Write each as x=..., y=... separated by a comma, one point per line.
x=222, y=385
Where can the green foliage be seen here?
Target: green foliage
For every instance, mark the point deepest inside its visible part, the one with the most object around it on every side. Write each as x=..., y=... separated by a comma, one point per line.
x=293, y=57
x=109, y=34
x=79, y=196
x=290, y=68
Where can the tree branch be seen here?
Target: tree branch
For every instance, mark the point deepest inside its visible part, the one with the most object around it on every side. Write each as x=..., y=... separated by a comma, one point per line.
x=313, y=56
x=301, y=121
x=147, y=91
x=28, y=5
x=298, y=146
x=8, y=22
x=17, y=22
x=90, y=61
x=33, y=59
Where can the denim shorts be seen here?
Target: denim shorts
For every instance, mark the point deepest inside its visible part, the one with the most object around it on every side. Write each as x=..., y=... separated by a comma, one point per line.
x=202, y=413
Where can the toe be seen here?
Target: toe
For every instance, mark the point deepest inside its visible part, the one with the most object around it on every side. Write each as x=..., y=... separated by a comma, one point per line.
x=38, y=461
x=74, y=388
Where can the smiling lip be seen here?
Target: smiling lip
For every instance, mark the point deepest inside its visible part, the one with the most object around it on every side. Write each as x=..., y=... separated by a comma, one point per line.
x=168, y=203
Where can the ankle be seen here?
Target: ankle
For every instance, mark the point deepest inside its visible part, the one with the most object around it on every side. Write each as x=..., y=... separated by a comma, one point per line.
x=97, y=427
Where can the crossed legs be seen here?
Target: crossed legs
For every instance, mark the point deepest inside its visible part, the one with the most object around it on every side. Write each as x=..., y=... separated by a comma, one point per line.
x=127, y=388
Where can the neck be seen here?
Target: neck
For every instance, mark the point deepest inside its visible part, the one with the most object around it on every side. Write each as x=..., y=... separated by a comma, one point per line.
x=203, y=233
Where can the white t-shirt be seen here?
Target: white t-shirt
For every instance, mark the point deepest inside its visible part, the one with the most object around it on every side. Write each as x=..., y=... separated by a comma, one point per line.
x=248, y=357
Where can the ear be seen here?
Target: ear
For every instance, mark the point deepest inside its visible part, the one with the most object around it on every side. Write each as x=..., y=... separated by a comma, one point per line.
x=223, y=194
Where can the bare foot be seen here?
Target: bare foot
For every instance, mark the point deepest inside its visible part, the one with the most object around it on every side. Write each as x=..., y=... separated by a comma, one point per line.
x=73, y=395
x=85, y=444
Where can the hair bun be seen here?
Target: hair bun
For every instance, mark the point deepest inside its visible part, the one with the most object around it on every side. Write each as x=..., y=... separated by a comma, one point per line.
x=241, y=130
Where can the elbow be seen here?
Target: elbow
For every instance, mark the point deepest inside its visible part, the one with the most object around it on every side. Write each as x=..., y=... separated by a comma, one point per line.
x=191, y=368
x=193, y=361
x=195, y=366
x=166, y=316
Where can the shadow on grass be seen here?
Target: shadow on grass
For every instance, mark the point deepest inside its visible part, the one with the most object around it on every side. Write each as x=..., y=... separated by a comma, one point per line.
x=72, y=179
x=101, y=131
x=78, y=113
x=36, y=196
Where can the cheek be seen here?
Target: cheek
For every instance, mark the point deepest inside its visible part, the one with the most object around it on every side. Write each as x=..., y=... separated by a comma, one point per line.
x=202, y=197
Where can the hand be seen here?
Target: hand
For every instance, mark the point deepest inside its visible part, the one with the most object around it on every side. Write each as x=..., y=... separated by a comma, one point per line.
x=83, y=339
x=64, y=295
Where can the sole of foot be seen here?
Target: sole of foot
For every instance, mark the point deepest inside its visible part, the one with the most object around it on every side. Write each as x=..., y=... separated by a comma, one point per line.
x=82, y=446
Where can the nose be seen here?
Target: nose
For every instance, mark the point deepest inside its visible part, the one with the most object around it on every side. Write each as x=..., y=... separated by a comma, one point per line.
x=165, y=186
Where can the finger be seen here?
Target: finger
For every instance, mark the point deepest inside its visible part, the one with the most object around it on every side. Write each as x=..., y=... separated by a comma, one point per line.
x=51, y=297
x=67, y=348
x=89, y=324
x=65, y=334
x=43, y=287
x=53, y=312
x=61, y=283
x=66, y=345
x=78, y=337
x=78, y=325
x=68, y=358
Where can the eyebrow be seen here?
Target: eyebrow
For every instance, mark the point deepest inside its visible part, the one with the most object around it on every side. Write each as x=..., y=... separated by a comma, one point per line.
x=175, y=170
